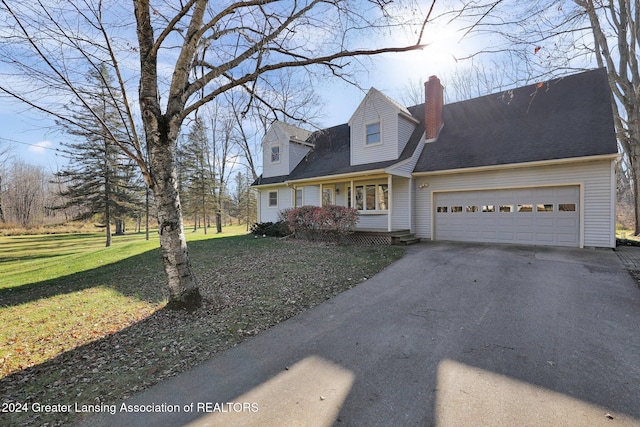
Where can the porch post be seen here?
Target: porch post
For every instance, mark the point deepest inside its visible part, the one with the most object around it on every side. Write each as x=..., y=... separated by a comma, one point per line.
x=351, y=196
x=321, y=196
x=390, y=207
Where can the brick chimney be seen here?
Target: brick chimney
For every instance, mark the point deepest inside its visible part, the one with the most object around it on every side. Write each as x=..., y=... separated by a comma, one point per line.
x=432, y=107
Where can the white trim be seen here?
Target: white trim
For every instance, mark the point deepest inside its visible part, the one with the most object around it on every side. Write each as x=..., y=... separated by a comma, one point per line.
x=337, y=178
x=579, y=184
x=613, y=203
x=411, y=207
x=269, y=199
x=366, y=134
x=518, y=165
x=295, y=197
x=389, y=203
x=271, y=147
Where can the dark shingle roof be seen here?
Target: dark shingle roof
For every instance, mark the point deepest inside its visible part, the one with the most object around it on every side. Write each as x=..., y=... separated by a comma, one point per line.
x=270, y=180
x=331, y=154
x=560, y=119
x=563, y=118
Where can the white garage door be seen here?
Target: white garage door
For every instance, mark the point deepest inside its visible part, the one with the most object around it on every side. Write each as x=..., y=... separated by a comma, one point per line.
x=534, y=216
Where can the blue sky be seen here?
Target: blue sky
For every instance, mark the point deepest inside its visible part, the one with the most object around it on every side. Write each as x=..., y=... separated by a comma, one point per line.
x=35, y=140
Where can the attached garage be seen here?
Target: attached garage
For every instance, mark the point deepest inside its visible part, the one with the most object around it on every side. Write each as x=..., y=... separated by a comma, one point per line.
x=547, y=216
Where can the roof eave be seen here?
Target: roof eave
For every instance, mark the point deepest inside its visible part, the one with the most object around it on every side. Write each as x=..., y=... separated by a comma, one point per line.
x=612, y=156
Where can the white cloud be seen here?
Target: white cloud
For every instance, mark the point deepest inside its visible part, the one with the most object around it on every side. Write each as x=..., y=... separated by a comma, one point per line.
x=39, y=147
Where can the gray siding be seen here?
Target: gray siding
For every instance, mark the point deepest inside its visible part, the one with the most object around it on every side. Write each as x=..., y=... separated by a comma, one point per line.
x=595, y=178
x=405, y=129
x=290, y=152
x=401, y=211
x=272, y=214
x=312, y=195
x=374, y=108
x=275, y=136
x=373, y=222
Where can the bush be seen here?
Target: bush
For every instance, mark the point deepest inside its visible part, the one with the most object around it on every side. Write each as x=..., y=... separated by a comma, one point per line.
x=321, y=222
x=271, y=229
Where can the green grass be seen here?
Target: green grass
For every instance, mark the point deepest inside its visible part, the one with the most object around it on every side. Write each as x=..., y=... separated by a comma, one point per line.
x=61, y=291
x=95, y=331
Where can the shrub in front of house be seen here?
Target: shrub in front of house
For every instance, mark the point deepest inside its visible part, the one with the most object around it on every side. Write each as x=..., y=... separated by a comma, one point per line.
x=321, y=222
x=271, y=229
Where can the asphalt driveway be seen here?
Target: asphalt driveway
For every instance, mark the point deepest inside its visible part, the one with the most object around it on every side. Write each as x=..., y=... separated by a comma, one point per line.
x=452, y=334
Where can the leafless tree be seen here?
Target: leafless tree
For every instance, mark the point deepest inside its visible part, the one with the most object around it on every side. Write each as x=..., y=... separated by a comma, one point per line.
x=5, y=151
x=291, y=99
x=25, y=194
x=236, y=42
x=553, y=37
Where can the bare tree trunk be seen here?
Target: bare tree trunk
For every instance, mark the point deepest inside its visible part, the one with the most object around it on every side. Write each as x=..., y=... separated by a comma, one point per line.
x=183, y=287
x=146, y=214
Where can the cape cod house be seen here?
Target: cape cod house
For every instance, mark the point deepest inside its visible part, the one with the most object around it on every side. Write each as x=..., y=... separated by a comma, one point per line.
x=533, y=165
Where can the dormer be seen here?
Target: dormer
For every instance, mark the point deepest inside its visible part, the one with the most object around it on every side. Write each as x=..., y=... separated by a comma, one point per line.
x=380, y=129
x=283, y=147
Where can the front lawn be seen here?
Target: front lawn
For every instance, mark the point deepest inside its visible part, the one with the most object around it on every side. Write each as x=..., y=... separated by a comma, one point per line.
x=98, y=334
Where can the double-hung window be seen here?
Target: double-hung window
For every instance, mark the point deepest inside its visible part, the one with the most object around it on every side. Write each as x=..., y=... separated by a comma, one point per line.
x=373, y=133
x=275, y=154
x=273, y=199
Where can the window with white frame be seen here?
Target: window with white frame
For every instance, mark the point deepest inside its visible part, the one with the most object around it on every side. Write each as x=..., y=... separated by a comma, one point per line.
x=369, y=197
x=299, y=197
x=275, y=154
x=373, y=133
x=327, y=196
x=273, y=199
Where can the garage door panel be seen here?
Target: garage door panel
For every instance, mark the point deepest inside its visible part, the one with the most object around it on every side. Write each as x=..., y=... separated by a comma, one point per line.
x=548, y=216
x=545, y=222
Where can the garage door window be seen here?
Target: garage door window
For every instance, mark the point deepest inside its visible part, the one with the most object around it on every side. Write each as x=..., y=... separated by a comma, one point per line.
x=546, y=207
x=525, y=208
x=506, y=208
x=488, y=208
x=456, y=209
x=441, y=209
x=566, y=207
x=472, y=209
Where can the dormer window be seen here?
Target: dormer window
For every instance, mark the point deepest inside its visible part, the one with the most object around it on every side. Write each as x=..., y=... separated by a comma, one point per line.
x=275, y=154
x=373, y=133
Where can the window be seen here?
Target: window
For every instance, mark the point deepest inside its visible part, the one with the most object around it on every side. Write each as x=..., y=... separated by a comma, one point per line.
x=275, y=154
x=273, y=199
x=545, y=207
x=370, y=201
x=456, y=209
x=488, y=208
x=525, y=208
x=566, y=207
x=441, y=209
x=299, y=200
x=373, y=133
x=506, y=208
x=327, y=196
x=360, y=197
x=383, y=197
x=472, y=209
x=370, y=197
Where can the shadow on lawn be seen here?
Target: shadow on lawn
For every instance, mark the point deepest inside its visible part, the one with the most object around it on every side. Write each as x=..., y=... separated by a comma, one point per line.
x=140, y=276
x=123, y=363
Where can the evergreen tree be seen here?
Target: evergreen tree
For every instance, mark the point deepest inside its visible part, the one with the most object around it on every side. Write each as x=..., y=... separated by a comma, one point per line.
x=100, y=180
x=197, y=178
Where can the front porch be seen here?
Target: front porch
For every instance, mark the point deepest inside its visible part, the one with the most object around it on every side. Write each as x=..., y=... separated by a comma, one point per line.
x=383, y=202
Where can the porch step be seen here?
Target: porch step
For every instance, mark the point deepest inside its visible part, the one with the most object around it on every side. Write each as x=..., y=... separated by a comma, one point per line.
x=404, y=237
